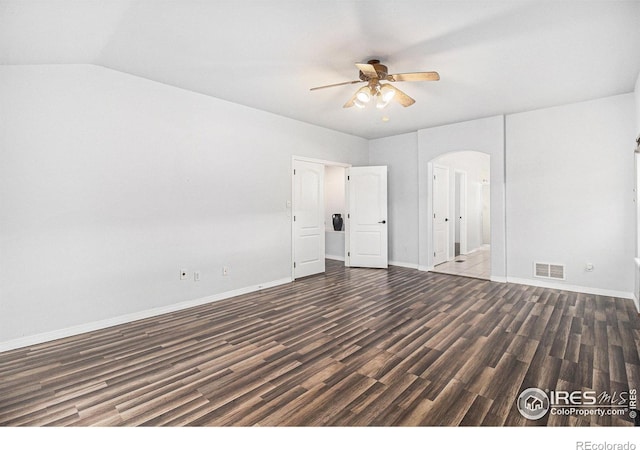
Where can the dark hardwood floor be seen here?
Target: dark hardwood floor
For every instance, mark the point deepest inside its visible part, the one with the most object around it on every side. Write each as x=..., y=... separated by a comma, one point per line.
x=351, y=347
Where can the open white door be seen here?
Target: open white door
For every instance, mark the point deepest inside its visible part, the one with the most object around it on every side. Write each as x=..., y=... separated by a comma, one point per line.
x=440, y=214
x=308, y=218
x=366, y=225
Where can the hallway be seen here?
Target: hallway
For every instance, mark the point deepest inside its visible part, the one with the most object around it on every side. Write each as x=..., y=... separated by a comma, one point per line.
x=476, y=264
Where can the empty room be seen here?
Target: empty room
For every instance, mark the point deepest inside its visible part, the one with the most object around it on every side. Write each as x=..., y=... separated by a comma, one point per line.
x=319, y=214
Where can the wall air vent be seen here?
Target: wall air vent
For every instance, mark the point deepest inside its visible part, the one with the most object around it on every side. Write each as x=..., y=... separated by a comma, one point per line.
x=549, y=271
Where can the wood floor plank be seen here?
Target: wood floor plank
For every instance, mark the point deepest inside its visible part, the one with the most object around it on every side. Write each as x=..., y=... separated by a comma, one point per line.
x=351, y=347
x=477, y=411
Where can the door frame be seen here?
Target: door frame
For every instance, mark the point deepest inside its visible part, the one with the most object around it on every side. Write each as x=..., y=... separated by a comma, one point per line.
x=291, y=202
x=461, y=198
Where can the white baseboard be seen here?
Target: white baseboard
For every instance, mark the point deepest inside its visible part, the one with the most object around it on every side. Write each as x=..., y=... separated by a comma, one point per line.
x=334, y=257
x=425, y=268
x=100, y=324
x=403, y=264
x=571, y=288
x=498, y=279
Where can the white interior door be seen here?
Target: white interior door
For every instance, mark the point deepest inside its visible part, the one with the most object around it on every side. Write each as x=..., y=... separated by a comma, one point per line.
x=308, y=218
x=440, y=214
x=366, y=225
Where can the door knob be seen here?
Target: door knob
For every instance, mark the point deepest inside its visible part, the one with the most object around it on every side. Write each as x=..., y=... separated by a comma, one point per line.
x=446, y=220
x=383, y=221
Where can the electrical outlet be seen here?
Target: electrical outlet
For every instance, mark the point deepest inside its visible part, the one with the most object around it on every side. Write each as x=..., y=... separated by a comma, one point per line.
x=225, y=271
x=184, y=274
x=196, y=276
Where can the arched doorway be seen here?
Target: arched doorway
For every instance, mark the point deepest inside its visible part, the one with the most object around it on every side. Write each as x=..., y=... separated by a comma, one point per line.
x=483, y=135
x=461, y=205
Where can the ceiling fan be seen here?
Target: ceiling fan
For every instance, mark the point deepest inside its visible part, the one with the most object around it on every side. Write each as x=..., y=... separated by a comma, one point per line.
x=373, y=73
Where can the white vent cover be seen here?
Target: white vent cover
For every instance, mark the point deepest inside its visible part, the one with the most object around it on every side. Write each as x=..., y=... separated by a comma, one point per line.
x=548, y=270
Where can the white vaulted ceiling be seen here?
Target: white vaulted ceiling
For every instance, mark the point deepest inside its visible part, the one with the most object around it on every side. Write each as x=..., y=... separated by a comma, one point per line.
x=493, y=57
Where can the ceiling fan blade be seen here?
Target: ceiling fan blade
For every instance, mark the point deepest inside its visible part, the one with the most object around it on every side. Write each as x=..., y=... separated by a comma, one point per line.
x=414, y=76
x=337, y=84
x=401, y=97
x=368, y=70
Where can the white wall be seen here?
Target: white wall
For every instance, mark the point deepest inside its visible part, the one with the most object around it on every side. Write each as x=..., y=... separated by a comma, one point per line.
x=334, y=245
x=110, y=184
x=637, y=99
x=570, y=177
x=334, y=194
x=637, y=175
x=637, y=102
x=477, y=167
x=486, y=212
x=334, y=202
x=400, y=154
x=482, y=135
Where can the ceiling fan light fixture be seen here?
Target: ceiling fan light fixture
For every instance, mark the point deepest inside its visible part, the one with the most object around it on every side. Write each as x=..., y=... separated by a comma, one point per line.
x=381, y=102
x=387, y=92
x=358, y=103
x=363, y=94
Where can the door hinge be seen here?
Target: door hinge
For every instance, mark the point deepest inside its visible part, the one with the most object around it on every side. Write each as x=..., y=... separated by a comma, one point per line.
x=348, y=177
x=348, y=216
x=294, y=264
x=294, y=218
x=294, y=171
x=348, y=253
x=434, y=255
x=434, y=177
x=434, y=215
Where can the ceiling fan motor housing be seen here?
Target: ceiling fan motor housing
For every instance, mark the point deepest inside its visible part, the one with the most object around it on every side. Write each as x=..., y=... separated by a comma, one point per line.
x=381, y=70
